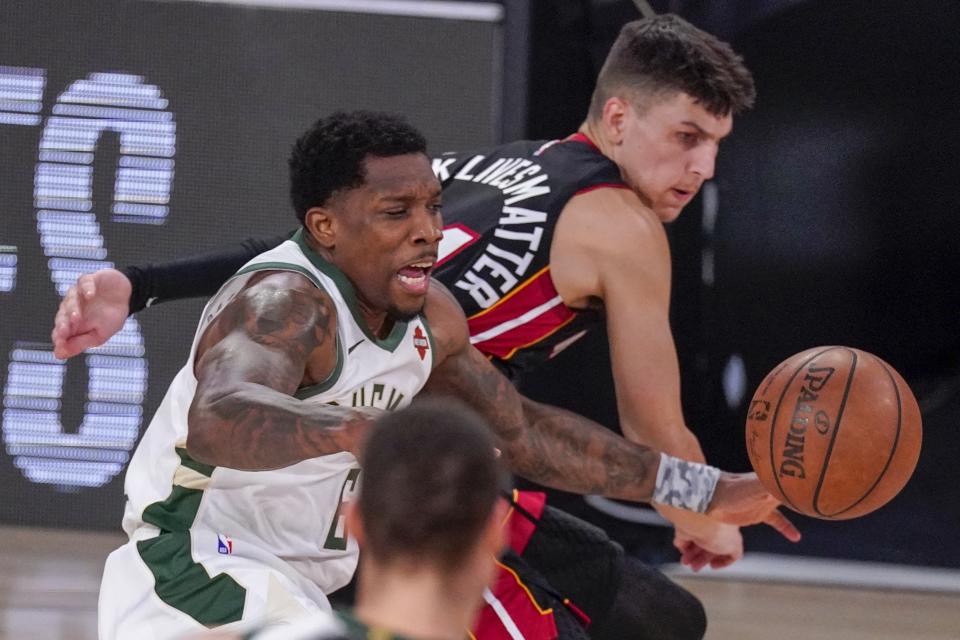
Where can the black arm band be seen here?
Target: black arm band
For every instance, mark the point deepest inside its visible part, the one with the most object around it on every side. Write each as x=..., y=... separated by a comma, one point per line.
x=196, y=276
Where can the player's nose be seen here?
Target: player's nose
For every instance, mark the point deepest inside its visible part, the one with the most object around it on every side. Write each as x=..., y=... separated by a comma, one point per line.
x=427, y=226
x=704, y=161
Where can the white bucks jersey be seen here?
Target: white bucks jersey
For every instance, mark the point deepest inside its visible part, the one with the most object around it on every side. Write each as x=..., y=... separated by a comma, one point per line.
x=292, y=513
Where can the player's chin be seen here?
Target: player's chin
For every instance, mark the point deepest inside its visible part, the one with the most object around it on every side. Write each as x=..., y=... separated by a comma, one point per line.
x=406, y=306
x=668, y=212
x=408, y=296
x=406, y=312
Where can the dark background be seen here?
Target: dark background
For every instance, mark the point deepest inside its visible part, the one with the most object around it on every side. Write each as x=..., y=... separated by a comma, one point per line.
x=837, y=223
x=836, y=217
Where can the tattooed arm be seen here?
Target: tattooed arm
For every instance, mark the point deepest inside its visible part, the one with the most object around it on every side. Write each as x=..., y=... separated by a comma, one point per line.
x=546, y=444
x=278, y=333
x=561, y=449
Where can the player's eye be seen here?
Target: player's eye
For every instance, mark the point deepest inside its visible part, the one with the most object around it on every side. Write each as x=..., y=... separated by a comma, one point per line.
x=688, y=138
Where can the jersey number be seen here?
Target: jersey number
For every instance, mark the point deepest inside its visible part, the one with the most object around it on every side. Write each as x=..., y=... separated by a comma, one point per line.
x=337, y=535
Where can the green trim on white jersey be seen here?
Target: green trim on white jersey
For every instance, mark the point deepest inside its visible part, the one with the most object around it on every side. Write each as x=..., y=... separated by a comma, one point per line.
x=320, y=387
x=349, y=295
x=179, y=581
x=186, y=586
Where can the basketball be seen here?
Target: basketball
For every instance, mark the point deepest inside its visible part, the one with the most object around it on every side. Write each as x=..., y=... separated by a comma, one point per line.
x=834, y=432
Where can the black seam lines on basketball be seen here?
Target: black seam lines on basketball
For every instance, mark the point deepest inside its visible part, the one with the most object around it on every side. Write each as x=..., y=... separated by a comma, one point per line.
x=893, y=449
x=773, y=376
x=833, y=437
x=773, y=425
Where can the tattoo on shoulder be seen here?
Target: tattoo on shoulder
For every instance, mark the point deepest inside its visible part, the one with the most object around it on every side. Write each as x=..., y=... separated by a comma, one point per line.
x=244, y=415
x=297, y=320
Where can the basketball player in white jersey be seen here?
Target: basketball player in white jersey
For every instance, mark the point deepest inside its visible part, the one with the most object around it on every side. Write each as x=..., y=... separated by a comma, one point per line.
x=235, y=491
x=429, y=523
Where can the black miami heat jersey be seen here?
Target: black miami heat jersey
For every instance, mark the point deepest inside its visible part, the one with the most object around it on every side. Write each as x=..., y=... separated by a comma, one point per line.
x=500, y=208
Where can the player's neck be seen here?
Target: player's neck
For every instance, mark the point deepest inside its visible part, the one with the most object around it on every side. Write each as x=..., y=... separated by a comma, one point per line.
x=592, y=131
x=416, y=604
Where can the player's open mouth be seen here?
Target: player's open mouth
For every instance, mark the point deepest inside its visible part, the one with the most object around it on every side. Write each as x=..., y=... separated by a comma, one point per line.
x=415, y=277
x=683, y=194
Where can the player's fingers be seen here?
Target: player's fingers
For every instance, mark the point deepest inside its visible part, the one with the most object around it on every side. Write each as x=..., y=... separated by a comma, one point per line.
x=61, y=323
x=59, y=326
x=780, y=522
x=68, y=314
x=60, y=350
x=696, y=558
x=719, y=562
x=87, y=285
x=78, y=344
x=69, y=300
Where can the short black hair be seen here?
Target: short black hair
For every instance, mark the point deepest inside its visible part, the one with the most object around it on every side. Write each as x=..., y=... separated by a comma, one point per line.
x=431, y=480
x=664, y=54
x=329, y=156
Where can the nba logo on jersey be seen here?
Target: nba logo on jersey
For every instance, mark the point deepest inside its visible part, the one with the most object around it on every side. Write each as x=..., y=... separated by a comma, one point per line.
x=224, y=544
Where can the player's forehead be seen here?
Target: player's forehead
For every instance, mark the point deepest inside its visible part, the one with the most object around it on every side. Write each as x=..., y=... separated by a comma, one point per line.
x=680, y=109
x=403, y=177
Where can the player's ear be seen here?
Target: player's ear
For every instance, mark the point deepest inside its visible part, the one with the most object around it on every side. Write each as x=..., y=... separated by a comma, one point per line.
x=613, y=119
x=354, y=522
x=322, y=225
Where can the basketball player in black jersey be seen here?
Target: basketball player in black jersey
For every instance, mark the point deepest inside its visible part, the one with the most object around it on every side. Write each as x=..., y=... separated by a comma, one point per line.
x=543, y=236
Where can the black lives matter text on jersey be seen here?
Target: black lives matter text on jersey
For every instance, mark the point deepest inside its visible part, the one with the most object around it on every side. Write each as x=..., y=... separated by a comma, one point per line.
x=519, y=230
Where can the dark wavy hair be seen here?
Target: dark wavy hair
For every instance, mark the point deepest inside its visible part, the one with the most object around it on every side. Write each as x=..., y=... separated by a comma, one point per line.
x=330, y=156
x=430, y=482
x=658, y=56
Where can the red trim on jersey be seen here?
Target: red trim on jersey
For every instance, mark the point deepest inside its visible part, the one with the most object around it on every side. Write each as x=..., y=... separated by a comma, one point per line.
x=505, y=317
x=534, y=622
x=584, y=138
x=519, y=527
x=506, y=345
x=541, y=338
x=578, y=613
x=602, y=185
x=532, y=292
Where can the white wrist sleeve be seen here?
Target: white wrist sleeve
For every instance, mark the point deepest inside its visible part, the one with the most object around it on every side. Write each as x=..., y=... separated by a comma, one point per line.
x=684, y=484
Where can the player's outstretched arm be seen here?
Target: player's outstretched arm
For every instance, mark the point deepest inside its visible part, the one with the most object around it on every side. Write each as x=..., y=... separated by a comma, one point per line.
x=609, y=246
x=561, y=449
x=250, y=361
x=96, y=307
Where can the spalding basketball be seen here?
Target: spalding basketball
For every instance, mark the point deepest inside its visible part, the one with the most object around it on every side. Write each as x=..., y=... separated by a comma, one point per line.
x=834, y=432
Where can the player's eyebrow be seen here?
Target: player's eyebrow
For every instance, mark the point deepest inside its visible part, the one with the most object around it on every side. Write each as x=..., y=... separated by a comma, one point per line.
x=703, y=132
x=407, y=196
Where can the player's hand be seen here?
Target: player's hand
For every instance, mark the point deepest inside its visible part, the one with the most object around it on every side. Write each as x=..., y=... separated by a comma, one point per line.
x=702, y=540
x=741, y=499
x=93, y=310
x=718, y=548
